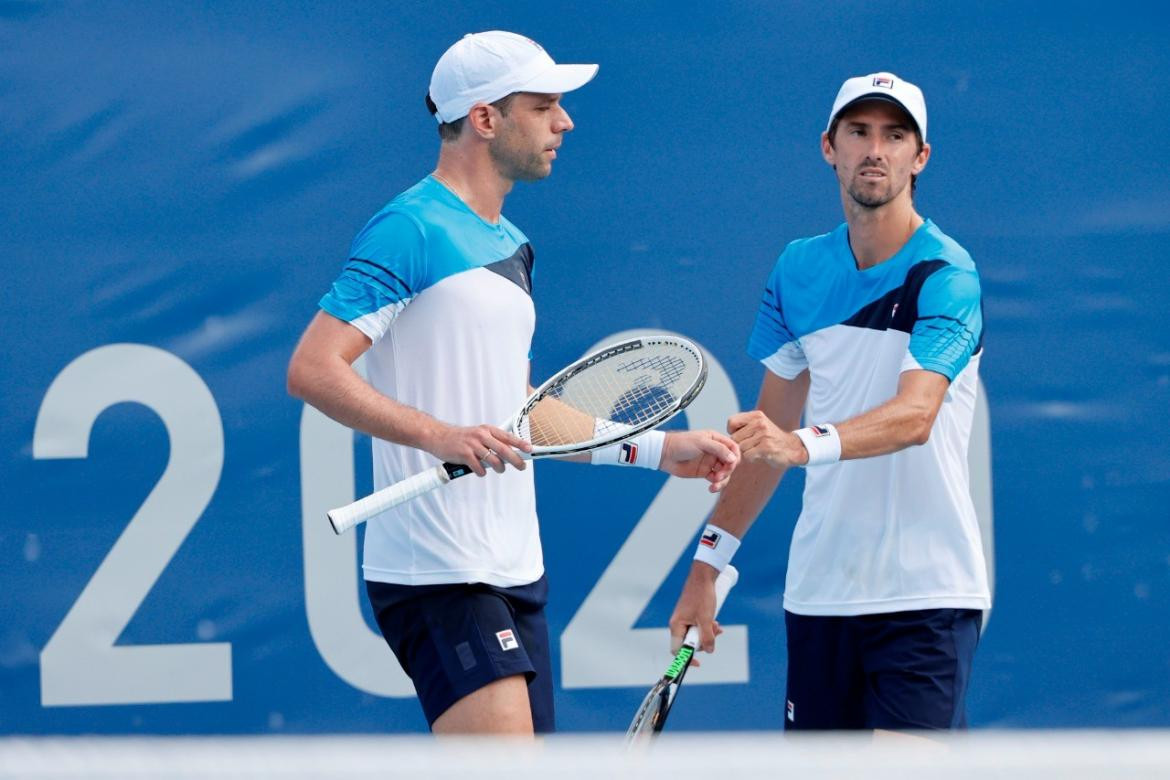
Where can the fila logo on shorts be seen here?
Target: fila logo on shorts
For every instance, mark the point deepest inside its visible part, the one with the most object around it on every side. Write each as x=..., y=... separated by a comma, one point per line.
x=710, y=539
x=882, y=81
x=791, y=711
x=628, y=453
x=507, y=639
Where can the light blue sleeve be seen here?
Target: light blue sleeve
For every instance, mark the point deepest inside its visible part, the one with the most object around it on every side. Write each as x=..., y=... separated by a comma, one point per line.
x=949, y=327
x=772, y=341
x=387, y=267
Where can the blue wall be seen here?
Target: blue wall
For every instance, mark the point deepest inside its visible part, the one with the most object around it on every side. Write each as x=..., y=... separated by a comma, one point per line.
x=180, y=182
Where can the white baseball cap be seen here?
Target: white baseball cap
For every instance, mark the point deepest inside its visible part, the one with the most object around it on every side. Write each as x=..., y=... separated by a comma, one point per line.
x=484, y=67
x=882, y=86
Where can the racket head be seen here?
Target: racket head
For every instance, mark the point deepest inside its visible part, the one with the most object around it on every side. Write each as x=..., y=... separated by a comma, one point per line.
x=610, y=395
x=646, y=719
x=651, y=715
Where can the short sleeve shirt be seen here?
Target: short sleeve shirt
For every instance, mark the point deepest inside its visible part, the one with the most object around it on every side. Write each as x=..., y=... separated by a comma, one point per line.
x=899, y=531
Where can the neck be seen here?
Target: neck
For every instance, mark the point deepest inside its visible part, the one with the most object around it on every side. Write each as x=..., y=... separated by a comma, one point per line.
x=876, y=235
x=469, y=173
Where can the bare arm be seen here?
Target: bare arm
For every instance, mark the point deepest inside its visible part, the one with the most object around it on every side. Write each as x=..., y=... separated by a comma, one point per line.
x=321, y=374
x=751, y=485
x=691, y=454
x=903, y=421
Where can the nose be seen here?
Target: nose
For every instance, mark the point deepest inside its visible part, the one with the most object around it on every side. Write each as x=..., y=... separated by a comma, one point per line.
x=564, y=122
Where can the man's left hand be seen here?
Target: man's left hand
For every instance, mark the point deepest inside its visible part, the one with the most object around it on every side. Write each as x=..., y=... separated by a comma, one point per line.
x=704, y=454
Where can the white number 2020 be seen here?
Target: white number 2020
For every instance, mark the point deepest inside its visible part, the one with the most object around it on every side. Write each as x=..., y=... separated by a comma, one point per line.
x=82, y=664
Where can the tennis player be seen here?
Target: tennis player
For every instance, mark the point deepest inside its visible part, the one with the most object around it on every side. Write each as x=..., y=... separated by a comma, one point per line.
x=874, y=331
x=437, y=294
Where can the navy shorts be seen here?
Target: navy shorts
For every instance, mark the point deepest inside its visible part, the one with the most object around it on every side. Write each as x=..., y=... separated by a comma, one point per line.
x=454, y=639
x=900, y=671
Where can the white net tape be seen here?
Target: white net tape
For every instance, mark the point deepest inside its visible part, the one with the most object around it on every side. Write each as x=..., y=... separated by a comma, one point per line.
x=1081, y=755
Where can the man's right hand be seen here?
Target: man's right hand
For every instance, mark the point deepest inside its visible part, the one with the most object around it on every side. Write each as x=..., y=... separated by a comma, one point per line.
x=476, y=447
x=696, y=607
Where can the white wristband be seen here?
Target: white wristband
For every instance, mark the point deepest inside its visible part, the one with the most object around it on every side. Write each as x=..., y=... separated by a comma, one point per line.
x=822, y=442
x=716, y=547
x=644, y=450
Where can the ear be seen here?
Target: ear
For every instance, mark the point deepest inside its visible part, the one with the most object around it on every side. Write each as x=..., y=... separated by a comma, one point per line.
x=827, y=151
x=921, y=159
x=484, y=120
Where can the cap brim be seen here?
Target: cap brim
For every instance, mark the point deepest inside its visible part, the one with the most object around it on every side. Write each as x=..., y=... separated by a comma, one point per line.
x=883, y=96
x=559, y=79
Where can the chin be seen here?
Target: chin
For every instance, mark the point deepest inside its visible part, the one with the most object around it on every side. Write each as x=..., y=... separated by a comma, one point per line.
x=535, y=174
x=870, y=199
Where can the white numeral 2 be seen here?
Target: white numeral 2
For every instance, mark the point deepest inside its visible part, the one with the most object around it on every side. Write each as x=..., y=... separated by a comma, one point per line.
x=600, y=647
x=81, y=663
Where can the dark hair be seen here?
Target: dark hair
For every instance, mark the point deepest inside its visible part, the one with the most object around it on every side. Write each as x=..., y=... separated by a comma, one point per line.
x=449, y=131
x=918, y=135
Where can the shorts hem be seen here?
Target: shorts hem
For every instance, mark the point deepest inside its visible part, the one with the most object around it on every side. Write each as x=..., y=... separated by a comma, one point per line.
x=892, y=605
x=462, y=577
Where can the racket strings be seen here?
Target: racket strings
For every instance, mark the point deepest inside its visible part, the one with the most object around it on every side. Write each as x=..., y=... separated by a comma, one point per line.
x=607, y=398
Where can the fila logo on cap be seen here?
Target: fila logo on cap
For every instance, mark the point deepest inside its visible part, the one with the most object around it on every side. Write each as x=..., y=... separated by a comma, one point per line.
x=507, y=639
x=882, y=81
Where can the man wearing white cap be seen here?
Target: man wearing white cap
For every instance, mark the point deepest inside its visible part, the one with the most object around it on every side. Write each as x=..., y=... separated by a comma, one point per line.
x=874, y=331
x=437, y=295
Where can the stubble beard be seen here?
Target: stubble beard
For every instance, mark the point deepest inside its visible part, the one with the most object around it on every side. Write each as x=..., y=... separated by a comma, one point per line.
x=873, y=199
x=518, y=164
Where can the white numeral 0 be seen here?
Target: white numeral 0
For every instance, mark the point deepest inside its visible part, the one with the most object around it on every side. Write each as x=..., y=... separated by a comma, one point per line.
x=333, y=597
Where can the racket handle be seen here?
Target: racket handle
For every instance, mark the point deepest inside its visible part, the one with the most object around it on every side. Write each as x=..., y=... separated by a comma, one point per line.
x=344, y=518
x=723, y=585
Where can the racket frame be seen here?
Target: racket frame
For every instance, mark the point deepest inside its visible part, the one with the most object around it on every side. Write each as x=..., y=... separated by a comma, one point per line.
x=343, y=518
x=603, y=354
x=665, y=691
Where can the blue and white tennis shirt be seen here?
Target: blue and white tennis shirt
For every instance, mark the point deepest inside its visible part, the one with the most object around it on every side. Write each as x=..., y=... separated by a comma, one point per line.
x=895, y=532
x=445, y=297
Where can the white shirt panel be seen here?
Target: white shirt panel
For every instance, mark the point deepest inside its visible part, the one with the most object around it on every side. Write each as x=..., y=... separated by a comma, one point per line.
x=459, y=353
x=890, y=533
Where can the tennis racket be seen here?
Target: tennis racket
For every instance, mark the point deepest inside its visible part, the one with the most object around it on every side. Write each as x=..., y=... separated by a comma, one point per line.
x=604, y=398
x=651, y=716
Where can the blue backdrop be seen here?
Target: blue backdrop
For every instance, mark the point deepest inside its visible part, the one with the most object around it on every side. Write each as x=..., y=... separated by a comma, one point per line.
x=179, y=183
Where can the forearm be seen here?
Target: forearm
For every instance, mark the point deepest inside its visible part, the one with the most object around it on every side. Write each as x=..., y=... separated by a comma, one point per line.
x=749, y=490
x=895, y=425
x=751, y=486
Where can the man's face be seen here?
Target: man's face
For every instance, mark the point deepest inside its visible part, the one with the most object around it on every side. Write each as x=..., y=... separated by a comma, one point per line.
x=875, y=151
x=528, y=136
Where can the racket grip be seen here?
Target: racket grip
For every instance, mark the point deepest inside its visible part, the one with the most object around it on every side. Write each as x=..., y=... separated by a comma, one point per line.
x=723, y=585
x=344, y=518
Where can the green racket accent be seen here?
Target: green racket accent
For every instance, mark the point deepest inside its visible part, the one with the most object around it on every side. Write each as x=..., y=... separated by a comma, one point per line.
x=680, y=662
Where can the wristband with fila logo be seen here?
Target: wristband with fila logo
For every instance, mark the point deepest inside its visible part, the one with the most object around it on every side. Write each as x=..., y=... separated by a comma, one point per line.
x=716, y=547
x=644, y=450
x=822, y=442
